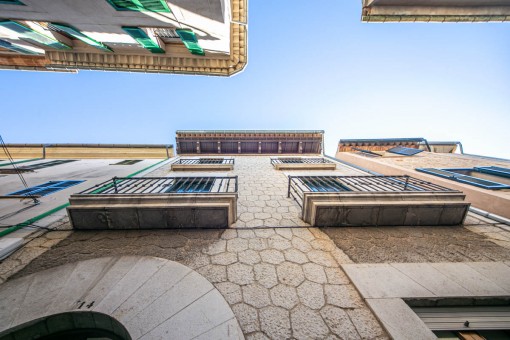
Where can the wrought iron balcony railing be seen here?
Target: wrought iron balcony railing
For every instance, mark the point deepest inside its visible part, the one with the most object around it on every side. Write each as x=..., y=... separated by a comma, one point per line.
x=298, y=185
x=298, y=160
x=205, y=161
x=164, y=185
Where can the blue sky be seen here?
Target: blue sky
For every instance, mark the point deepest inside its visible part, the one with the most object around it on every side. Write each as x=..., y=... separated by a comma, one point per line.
x=312, y=65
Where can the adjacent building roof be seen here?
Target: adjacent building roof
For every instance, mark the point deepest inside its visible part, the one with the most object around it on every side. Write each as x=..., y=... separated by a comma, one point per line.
x=382, y=144
x=250, y=142
x=435, y=10
x=144, y=151
x=190, y=37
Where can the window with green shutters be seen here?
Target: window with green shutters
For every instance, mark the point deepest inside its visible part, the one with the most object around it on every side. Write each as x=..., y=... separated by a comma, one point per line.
x=27, y=33
x=73, y=32
x=11, y=2
x=189, y=39
x=16, y=48
x=140, y=5
x=143, y=39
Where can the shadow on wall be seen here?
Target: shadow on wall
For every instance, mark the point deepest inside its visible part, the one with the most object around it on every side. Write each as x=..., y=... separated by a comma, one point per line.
x=69, y=325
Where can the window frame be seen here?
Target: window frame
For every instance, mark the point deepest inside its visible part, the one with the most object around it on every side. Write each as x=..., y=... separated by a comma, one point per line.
x=140, y=7
x=190, y=185
x=466, y=179
x=11, y=2
x=36, y=190
x=329, y=185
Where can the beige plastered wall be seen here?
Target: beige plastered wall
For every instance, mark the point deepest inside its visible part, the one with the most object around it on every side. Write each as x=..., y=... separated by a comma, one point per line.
x=83, y=152
x=493, y=201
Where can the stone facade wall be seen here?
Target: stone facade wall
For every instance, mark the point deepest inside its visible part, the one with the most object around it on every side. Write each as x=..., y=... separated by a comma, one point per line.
x=263, y=197
x=437, y=160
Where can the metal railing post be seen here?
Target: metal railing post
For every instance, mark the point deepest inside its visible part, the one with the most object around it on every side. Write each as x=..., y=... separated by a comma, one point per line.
x=236, y=183
x=407, y=182
x=288, y=190
x=114, y=179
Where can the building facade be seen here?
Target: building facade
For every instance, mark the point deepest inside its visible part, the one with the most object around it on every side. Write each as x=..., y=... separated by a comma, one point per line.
x=435, y=11
x=270, y=272
x=189, y=37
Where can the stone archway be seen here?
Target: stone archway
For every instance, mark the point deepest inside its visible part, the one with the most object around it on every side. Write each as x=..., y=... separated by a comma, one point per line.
x=152, y=298
x=69, y=325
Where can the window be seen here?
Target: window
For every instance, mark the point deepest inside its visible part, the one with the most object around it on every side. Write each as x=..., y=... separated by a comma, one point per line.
x=198, y=184
x=28, y=33
x=189, y=39
x=46, y=164
x=45, y=189
x=168, y=35
x=16, y=47
x=484, y=177
x=323, y=184
x=210, y=161
x=291, y=160
x=11, y=2
x=128, y=162
x=140, y=5
x=143, y=39
x=467, y=322
x=366, y=153
x=400, y=150
x=73, y=32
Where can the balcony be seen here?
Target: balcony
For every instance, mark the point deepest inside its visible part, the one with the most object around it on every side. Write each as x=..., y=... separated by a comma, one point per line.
x=376, y=201
x=298, y=163
x=156, y=203
x=203, y=164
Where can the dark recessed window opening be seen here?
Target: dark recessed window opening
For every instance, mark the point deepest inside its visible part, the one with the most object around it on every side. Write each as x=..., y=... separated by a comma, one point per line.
x=291, y=160
x=484, y=177
x=198, y=184
x=229, y=147
x=210, y=161
x=208, y=147
x=45, y=189
x=128, y=162
x=324, y=184
x=400, y=150
x=269, y=147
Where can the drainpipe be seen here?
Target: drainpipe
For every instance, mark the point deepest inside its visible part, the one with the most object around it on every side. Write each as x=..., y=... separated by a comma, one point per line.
x=492, y=216
x=322, y=146
x=460, y=146
x=427, y=144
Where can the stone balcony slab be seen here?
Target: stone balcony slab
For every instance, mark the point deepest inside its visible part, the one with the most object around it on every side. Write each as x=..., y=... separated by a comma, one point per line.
x=152, y=211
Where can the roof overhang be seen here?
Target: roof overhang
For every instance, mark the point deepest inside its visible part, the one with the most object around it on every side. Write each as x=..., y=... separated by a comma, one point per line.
x=249, y=142
x=225, y=53
x=347, y=145
x=435, y=10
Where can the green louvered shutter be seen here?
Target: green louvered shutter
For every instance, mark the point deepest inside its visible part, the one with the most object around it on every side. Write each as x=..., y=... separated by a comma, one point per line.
x=29, y=34
x=11, y=2
x=140, y=5
x=16, y=48
x=189, y=39
x=78, y=35
x=143, y=39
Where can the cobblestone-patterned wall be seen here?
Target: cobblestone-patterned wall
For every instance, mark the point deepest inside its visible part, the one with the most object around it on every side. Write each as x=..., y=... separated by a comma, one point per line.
x=282, y=278
x=262, y=197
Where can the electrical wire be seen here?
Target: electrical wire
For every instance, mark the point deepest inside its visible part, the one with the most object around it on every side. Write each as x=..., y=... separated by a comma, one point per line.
x=18, y=172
